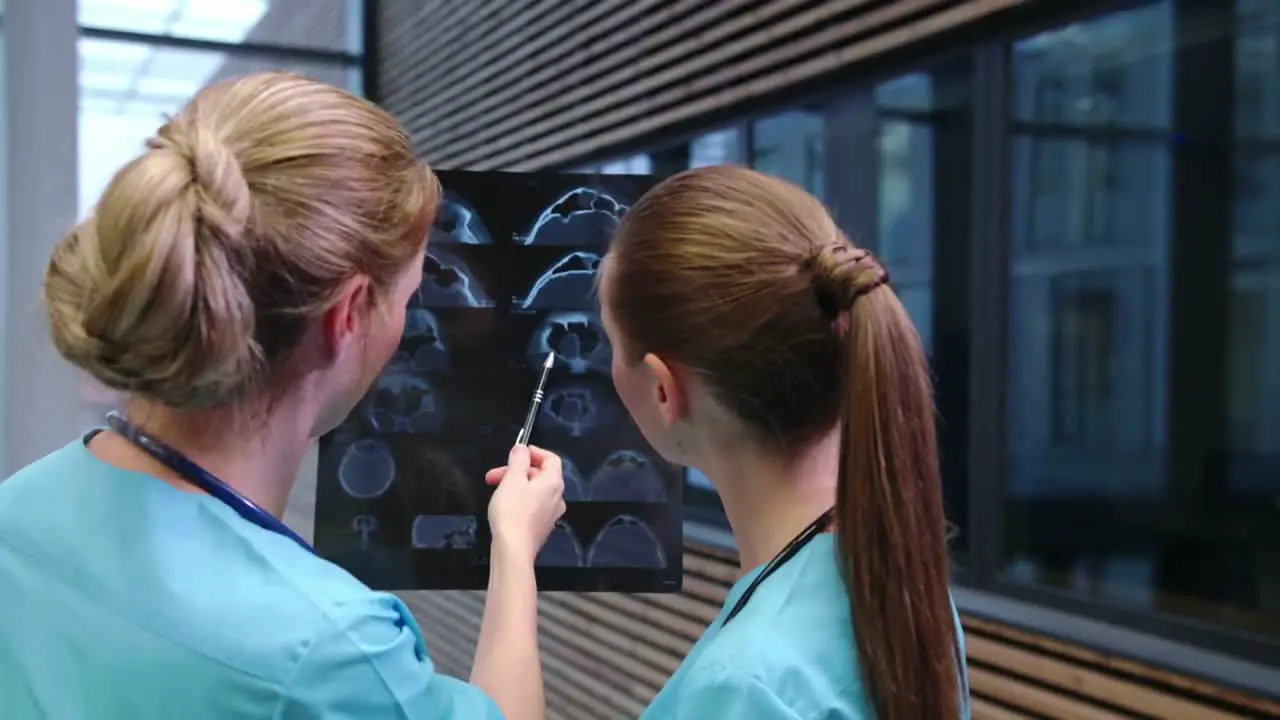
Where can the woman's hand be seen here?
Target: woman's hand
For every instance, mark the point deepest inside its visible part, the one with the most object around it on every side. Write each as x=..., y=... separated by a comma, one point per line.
x=528, y=502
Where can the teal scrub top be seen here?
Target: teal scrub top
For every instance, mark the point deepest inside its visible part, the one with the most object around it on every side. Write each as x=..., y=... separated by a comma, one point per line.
x=788, y=655
x=123, y=597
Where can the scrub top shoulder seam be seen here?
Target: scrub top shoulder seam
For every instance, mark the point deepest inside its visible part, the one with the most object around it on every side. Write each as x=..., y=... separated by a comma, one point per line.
x=336, y=630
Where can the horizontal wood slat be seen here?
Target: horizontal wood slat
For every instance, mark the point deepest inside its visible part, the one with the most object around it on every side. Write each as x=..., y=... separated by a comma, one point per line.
x=606, y=655
x=455, y=98
x=1173, y=684
x=986, y=710
x=1081, y=680
x=547, y=83
x=696, y=99
x=447, y=29
x=635, y=69
x=630, y=94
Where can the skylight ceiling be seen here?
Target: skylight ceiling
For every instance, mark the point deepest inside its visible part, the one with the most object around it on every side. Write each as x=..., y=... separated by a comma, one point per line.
x=125, y=77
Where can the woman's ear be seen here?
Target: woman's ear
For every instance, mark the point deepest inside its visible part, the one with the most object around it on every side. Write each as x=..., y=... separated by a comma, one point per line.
x=341, y=321
x=669, y=387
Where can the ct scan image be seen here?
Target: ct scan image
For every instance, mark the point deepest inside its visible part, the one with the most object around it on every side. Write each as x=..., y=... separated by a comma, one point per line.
x=449, y=281
x=576, y=338
x=458, y=222
x=508, y=278
x=568, y=282
x=578, y=218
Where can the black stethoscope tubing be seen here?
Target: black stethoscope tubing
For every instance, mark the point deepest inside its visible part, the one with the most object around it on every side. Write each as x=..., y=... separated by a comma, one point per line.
x=202, y=479
x=793, y=548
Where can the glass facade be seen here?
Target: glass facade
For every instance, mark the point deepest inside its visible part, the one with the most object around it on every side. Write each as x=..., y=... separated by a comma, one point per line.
x=141, y=61
x=318, y=24
x=1144, y=317
x=1084, y=223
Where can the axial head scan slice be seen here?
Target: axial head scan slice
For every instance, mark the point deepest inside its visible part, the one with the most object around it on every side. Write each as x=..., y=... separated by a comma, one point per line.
x=364, y=526
x=367, y=469
x=570, y=283
x=627, y=476
x=447, y=282
x=562, y=548
x=428, y=352
x=581, y=217
x=402, y=403
x=459, y=223
x=626, y=541
x=444, y=532
x=578, y=409
x=575, y=489
x=577, y=339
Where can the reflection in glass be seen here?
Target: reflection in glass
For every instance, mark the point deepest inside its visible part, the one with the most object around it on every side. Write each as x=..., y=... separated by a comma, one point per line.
x=318, y=24
x=127, y=88
x=791, y=145
x=722, y=147
x=1080, y=190
x=1253, y=305
x=1257, y=61
x=631, y=165
x=1109, y=359
x=905, y=212
x=1110, y=72
x=921, y=149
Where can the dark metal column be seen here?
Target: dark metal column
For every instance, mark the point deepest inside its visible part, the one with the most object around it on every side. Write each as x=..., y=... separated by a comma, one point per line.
x=988, y=312
x=1202, y=205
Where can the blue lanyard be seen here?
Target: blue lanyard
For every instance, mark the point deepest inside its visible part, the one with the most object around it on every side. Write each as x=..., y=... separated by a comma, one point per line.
x=197, y=476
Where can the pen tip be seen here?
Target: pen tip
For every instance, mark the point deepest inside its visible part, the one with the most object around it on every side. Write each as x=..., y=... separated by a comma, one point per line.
x=551, y=360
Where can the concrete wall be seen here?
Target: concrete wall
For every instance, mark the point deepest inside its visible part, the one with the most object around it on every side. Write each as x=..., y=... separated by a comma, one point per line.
x=41, y=407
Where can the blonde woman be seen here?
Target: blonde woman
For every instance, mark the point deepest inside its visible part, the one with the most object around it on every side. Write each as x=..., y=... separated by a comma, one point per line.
x=242, y=283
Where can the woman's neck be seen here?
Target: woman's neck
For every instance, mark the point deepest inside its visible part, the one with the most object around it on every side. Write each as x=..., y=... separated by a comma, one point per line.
x=257, y=454
x=770, y=500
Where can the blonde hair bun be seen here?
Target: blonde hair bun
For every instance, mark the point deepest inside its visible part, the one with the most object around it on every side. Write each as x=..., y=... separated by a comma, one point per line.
x=241, y=219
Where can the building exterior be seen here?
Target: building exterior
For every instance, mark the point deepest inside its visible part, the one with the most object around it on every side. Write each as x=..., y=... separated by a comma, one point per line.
x=1078, y=206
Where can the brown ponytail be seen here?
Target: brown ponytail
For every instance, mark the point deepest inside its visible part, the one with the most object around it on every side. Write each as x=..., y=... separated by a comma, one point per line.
x=890, y=525
x=745, y=279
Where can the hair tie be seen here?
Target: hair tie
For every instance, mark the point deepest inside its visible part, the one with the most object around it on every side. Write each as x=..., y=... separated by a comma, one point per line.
x=833, y=270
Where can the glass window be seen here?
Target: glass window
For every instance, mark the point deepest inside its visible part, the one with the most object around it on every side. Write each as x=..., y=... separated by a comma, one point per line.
x=792, y=145
x=1253, y=305
x=127, y=88
x=722, y=147
x=631, y=165
x=905, y=188
x=1144, y=313
x=316, y=24
x=921, y=140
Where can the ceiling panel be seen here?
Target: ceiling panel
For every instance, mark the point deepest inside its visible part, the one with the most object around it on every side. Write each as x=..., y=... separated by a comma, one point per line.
x=221, y=20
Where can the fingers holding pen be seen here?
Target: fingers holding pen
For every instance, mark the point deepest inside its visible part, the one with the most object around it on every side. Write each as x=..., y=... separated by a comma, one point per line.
x=528, y=501
x=536, y=461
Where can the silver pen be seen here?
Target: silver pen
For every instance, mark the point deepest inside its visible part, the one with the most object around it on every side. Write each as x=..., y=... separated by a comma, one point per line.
x=527, y=430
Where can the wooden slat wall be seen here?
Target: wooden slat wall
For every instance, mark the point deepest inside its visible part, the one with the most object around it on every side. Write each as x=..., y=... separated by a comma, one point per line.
x=606, y=655
x=539, y=83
